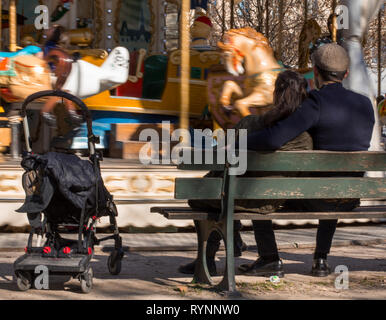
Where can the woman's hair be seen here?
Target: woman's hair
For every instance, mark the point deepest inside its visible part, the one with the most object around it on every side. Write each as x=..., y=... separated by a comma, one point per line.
x=290, y=91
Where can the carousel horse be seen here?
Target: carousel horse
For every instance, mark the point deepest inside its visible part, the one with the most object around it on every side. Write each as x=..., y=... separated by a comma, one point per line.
x=84, y=79
x=311, y=31
x=382, y=112
x=29, y=50
x=249, y=49
x=7, y=60
x=360, y=15
x=360, y=12
x=24, y=73
x=87, y=79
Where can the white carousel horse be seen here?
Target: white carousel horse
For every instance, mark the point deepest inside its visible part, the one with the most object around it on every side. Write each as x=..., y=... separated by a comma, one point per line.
x=361, y=12
x=23, y=73
x=83, y=79
x=86, y=79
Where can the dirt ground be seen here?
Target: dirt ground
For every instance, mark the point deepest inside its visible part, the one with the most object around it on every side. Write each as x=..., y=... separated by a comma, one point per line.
x=153, y=275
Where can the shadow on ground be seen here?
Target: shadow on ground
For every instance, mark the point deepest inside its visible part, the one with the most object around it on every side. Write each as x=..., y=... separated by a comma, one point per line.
x=155, y=274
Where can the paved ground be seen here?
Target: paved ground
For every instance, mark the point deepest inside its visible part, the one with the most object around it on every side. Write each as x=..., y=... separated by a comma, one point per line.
x=291, y=238
x=153, y=274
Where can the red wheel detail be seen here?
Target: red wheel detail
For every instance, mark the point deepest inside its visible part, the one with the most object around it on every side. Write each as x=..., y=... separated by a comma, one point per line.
x=47, y=249
x=66, y=250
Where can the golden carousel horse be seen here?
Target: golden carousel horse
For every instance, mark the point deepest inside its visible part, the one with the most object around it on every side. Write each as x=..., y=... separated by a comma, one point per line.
x=382, y=112
x=252, y=72
x=311, y=31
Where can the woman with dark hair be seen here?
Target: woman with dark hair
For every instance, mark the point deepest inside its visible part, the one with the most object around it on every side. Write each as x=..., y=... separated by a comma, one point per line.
x=290, y=91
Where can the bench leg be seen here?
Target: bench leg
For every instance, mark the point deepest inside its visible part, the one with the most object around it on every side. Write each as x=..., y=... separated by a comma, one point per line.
x=201, y=273
x=228, y=283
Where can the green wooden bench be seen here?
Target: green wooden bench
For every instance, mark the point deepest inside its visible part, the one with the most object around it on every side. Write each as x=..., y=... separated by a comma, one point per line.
x=232, y=187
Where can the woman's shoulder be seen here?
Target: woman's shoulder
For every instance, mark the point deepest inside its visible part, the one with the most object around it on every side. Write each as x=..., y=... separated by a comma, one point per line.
x=301, y=142
x=251, y=123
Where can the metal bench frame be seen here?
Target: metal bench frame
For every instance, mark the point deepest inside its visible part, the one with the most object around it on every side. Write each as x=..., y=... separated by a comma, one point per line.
x=231, y=187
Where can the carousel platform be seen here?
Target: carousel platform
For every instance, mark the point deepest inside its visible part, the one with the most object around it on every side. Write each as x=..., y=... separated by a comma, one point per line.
x=135, y=187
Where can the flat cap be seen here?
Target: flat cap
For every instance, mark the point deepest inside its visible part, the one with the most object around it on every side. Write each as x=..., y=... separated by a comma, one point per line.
x=331, y=57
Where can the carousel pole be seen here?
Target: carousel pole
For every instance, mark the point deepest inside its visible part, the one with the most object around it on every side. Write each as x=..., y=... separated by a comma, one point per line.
x=73, y=14
x=305, y=10
x=334, y=3
x=232, y=14
x=185, y=67
x=280, y=36
x=267, y=18
x=380, y=52
x=14, y=120
x=334, y=30
x=1, y=25
x=12, y=26
x=223, y=17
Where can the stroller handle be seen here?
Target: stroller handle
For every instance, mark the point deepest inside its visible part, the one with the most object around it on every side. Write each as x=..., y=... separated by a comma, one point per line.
x=57, y=93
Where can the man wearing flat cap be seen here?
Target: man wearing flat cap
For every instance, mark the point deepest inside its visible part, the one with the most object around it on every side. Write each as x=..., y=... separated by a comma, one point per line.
x=338, y=120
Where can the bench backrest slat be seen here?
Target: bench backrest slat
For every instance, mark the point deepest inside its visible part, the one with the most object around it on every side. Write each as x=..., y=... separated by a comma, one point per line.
x=309, y=161
x=198, y=188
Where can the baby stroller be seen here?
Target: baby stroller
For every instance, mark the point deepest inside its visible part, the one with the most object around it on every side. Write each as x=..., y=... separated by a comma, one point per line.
x=64, y=194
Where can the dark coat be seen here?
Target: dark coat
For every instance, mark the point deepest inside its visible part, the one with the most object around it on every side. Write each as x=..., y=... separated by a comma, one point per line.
x=62, y=185
x=252, y=123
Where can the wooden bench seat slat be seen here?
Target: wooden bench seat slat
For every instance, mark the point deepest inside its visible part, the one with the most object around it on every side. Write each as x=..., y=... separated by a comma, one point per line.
x=283, y=188
x=308, y=161
x=310, y=188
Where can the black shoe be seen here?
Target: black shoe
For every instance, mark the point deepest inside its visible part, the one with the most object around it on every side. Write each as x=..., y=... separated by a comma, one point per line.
x=263, y=268
x=189, y=268
x=320, y=268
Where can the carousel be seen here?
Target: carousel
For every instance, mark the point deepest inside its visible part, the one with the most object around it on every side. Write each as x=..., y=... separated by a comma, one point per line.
x=141, y=91
x=135, y=64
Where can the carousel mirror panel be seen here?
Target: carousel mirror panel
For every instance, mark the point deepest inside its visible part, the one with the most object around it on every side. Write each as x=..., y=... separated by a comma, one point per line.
x=134, y=24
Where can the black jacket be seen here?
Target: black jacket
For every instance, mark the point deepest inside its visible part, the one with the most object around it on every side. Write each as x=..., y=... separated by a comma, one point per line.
x=62, y=184
x=337, y=119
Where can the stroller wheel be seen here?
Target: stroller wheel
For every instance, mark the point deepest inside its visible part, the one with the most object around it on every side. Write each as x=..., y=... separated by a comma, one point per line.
x=114, y=262
x=86, y=281
x=24, y=280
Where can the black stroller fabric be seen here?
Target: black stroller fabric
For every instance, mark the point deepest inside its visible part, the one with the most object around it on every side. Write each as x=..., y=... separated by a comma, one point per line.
x=62, y=185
